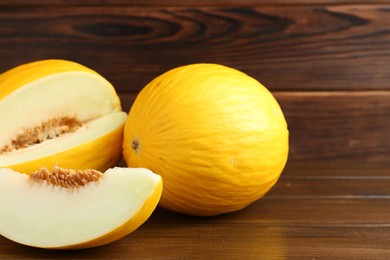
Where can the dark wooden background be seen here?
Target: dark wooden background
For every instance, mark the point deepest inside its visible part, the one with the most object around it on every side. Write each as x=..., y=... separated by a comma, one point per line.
x=328, y=64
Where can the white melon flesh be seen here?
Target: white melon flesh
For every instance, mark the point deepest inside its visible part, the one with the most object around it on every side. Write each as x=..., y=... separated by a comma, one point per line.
x=84, y=96
x=89, y=132
x=43, y=215
x=76, y=94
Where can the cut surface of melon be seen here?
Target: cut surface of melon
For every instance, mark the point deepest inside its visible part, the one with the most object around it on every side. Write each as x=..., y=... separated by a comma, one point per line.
x=35, y=97
x=74, y=94
x=90, y=131
x=41, y=214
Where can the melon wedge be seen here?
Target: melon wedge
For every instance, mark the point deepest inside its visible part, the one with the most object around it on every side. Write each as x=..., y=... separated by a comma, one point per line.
x=58, y=111
x=88, y=210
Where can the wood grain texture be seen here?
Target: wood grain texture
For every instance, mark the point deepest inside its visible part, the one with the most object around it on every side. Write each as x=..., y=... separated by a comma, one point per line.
x=338, y=124
x=298, y=47
x=316, y=218
x=189, y=3
x=240, y=241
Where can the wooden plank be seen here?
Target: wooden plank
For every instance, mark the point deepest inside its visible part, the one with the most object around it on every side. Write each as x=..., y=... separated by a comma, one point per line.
x=345, y=188
x=191, y=3
x=242, y=241
x=337, y=169
x=298, y=211
x=228, y=242
x=299, y=47
x=127, y=100
x=327, y=179
x=345, y=180
x=333, y=125
x=338, y=125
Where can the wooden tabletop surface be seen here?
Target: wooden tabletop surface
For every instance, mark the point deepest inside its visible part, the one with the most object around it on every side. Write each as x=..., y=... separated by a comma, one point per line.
x=317, y=210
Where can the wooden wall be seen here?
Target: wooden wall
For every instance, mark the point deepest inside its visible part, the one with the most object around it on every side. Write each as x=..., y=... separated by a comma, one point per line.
x=327, y=62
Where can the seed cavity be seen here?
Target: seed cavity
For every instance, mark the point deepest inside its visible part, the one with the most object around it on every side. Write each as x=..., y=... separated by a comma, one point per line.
x=66, y=178
x=47, y=130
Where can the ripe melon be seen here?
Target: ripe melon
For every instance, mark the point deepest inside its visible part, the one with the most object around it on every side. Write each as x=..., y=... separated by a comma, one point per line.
x=217, y=137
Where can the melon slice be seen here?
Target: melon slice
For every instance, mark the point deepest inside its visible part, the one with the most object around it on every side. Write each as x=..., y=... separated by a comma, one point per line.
x=58, y=111
x=68, y=209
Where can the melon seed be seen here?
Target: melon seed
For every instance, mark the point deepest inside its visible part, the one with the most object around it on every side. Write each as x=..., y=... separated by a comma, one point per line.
x=49, y=129
x=66, y=178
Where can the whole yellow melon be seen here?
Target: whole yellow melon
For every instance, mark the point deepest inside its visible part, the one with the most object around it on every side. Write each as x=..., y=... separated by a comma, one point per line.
x=217, y=137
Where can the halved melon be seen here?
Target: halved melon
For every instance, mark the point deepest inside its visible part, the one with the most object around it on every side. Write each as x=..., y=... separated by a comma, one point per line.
x=69, y=209
x=58, y=111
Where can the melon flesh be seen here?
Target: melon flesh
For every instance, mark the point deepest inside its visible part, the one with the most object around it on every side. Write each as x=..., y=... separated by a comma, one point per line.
x=76, y=94
x=43, y=215
x=89, y=132
x=33, y=94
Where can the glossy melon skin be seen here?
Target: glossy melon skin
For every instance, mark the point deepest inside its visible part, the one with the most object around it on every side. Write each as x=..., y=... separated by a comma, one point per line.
x=25, y=80
x=217, y=137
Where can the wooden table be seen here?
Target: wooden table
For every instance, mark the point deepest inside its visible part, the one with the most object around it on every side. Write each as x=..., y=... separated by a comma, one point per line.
x=317, y=210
